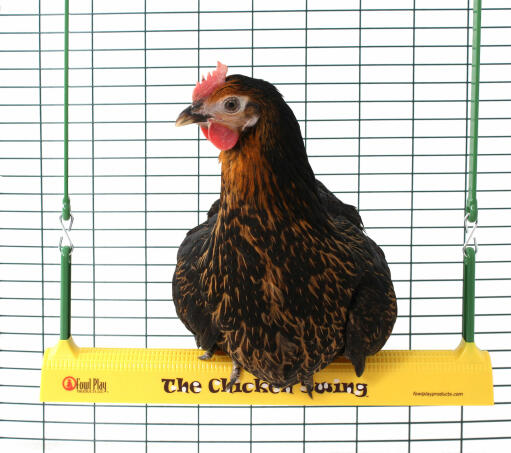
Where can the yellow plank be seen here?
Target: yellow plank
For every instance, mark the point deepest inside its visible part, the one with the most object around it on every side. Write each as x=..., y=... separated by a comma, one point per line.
x=176, y=376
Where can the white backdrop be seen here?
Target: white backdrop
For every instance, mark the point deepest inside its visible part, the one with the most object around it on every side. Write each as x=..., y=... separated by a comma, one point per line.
x=381, y=95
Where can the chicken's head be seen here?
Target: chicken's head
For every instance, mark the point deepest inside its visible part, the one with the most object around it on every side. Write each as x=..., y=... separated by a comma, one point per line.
x=222, y=108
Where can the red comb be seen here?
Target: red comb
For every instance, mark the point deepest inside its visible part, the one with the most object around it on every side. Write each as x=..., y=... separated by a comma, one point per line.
x=207, y=85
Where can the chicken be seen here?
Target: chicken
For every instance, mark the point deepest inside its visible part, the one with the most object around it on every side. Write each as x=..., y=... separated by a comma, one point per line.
x=281, y=276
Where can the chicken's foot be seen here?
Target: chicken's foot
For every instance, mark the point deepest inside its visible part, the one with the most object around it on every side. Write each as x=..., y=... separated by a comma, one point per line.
x=308, y=383
x=208, y=354
x=235, y=374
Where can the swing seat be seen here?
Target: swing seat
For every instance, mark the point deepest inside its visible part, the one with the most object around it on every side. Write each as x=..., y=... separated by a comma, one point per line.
x=176, y=376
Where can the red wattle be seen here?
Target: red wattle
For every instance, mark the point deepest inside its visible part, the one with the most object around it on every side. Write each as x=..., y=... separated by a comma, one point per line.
x=221, y=136
x=205, y=131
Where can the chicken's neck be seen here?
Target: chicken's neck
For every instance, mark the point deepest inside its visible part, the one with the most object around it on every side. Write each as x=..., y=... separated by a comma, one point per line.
x=270, y=176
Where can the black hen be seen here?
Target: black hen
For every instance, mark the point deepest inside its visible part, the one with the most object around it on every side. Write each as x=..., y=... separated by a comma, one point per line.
x=281, y=276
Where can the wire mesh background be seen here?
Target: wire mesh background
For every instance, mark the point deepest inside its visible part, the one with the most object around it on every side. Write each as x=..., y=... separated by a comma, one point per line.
x=381, y=95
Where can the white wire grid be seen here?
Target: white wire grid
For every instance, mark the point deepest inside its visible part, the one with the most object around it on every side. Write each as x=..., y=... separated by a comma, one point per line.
x=381, y=94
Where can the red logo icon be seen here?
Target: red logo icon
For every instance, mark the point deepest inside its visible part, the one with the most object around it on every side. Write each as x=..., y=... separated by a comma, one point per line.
x=69, y=383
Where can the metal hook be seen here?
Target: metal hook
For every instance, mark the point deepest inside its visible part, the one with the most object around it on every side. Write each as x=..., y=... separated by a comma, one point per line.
x=66, y=232
x=470, y=236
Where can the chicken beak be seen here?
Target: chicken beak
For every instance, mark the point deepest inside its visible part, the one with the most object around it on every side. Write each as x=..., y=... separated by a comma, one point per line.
x=188, y=116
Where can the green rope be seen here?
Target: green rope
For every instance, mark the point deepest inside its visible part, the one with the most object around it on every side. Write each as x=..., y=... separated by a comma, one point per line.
x=65, y=259
x=471, y=208
x=66, y=204
x=469, y=252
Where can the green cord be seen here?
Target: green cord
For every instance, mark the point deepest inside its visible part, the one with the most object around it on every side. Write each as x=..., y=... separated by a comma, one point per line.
x=66, y=203
x=469, y=252
x=471, y=208
x=65, y=259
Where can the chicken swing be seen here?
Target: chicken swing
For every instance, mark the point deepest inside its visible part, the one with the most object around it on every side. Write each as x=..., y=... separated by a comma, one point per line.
x=392, y=377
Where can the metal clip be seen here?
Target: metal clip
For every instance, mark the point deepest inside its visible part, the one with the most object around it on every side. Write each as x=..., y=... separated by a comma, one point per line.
x=66, y=233
x=470, y=235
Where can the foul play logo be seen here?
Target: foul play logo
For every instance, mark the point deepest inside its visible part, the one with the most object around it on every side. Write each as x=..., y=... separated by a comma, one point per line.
x=69, y=383
x=91, y=385
x=219, y=385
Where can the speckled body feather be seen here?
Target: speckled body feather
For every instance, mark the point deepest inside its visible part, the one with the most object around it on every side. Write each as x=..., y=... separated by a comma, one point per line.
x=281, y=276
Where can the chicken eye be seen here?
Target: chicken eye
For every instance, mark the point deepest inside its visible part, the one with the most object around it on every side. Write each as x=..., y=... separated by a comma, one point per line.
x=232, y=105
